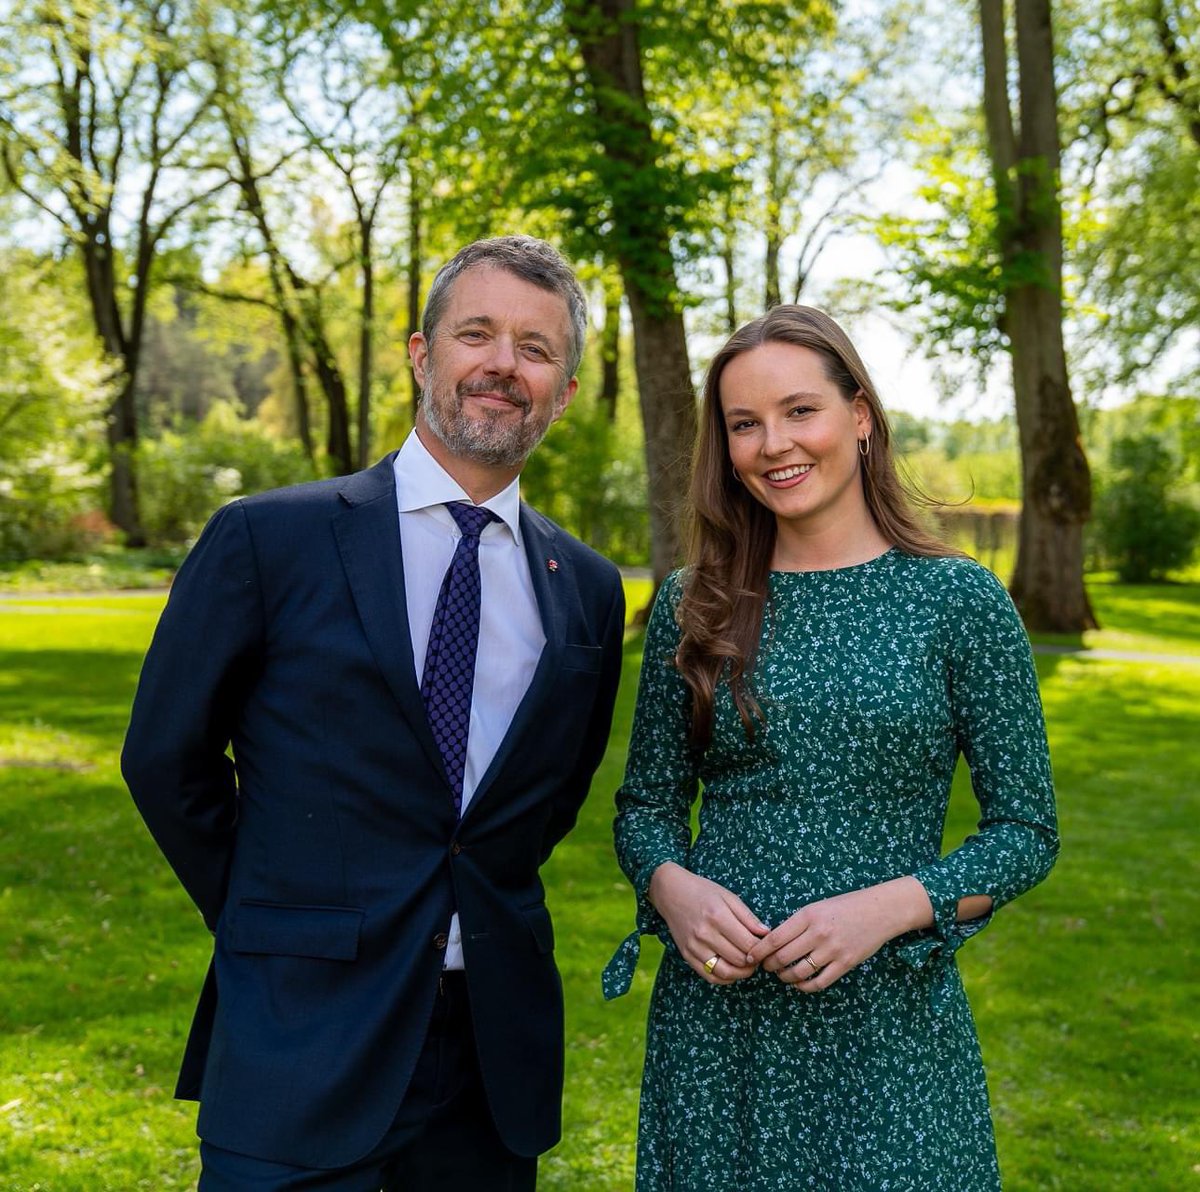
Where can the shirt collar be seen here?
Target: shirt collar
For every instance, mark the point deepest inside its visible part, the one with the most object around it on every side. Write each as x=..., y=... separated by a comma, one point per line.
x=422, y=483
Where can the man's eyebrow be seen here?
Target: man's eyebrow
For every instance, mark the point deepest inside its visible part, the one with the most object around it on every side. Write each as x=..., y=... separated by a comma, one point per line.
x=487, y=322
x=475, y=321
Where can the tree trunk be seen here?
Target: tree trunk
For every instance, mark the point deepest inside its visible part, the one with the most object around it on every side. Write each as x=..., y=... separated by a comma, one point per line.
x=638, y=189
x=329, y=377
x=295, y=355
x=366, y=337
x=414, y=275
x=610, y=351
x=120, y=421
x=1047, y=583
x=668, y=404
x=121, y=432
x=729, y=260
x=772, y=231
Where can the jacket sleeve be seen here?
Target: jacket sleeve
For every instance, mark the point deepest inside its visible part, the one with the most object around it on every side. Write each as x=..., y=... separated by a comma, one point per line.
x=204, y=654
x=653, y=822
x=595, y=738
x=1001, y=734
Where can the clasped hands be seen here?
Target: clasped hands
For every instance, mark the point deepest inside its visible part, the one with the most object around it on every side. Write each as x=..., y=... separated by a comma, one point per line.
x=809, y=951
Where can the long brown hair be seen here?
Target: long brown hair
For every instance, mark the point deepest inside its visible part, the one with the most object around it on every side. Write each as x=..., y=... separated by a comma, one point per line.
x=733, y=535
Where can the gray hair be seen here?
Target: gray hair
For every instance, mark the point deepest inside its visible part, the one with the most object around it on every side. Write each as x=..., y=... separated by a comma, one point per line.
x=531, y=260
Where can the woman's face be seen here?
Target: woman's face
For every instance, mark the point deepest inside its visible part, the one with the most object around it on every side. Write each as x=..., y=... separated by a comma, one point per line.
x=793, y=437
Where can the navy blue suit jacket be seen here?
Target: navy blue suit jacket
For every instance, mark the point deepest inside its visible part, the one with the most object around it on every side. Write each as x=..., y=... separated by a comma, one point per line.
x=325, y=854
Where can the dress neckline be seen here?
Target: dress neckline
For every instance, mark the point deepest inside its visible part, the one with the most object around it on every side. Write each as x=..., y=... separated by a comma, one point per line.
x=891, y=550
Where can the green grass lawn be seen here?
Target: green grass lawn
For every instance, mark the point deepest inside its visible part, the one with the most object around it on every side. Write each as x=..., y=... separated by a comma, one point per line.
x=1084, y=990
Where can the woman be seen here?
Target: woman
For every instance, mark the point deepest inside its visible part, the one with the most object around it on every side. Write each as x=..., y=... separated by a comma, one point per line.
x=817, y=668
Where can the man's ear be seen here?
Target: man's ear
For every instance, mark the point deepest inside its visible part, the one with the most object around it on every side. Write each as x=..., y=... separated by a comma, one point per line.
x=418, y=353
x=564, y=398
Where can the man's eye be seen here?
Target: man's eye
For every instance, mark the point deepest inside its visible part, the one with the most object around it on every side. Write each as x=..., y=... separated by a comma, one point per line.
x=536, y=350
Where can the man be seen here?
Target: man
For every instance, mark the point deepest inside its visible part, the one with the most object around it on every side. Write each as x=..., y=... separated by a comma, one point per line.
x=383, y=1009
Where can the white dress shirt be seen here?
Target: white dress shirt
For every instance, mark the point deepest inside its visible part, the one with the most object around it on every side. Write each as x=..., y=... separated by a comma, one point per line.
x=510, y=630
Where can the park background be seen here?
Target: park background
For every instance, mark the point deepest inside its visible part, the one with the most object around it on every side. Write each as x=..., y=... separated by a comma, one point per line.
x=218, y=222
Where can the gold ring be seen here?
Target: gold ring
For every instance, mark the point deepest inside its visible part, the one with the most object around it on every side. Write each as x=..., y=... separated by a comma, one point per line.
x=710, y=964
x=812, y=964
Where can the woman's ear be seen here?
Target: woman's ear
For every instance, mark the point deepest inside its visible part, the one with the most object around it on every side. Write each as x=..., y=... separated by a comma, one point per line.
x=864, y=421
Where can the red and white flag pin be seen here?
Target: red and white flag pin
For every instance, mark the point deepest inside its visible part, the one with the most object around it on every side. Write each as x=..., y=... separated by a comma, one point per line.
x=552, y=564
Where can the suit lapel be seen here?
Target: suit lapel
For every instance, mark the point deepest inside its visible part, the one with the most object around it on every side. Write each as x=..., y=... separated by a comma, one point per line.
x=549, y=575
x=368, y=539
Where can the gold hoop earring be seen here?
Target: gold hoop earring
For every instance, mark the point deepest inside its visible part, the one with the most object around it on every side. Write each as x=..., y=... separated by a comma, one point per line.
x=865, y=451
x=737, y=476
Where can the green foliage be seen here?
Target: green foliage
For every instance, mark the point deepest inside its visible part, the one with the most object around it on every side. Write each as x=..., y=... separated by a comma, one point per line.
x=187, y=472
x=962, y=461
x=1173, y=420
x=52, y=396
x=946, y=257
x=589, y=475
x=1131, y=122
x=1141, y=528
x=109, y=568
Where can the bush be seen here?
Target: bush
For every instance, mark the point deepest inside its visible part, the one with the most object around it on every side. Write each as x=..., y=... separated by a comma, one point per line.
x=186, y=473
x=589, y=475
x=1140, y=527
x=44, y=506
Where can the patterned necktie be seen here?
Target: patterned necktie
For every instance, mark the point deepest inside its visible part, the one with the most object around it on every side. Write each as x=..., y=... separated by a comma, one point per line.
x=449, y=674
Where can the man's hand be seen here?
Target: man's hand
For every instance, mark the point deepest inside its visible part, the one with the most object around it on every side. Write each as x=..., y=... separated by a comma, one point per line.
x=823, y=941
x=706, y=922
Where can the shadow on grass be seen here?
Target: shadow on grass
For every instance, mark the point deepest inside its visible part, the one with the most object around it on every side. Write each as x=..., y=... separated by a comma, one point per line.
x=80, y=691
x=1156, y=610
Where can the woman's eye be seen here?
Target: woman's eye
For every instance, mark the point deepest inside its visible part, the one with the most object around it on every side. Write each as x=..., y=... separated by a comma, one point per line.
x=744, y=424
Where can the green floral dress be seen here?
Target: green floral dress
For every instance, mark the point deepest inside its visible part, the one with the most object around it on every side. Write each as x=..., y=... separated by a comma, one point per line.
x=873, y=679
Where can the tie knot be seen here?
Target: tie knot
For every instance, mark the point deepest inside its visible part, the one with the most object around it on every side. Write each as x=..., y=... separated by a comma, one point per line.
x=471, y=519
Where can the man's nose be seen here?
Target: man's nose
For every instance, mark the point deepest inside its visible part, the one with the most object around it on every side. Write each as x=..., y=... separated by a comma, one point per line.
x=503, y=357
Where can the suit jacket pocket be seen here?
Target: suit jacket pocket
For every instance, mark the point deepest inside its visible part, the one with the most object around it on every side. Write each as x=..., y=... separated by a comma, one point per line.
x=538, y=918
x=581, y=658
x=276, y=929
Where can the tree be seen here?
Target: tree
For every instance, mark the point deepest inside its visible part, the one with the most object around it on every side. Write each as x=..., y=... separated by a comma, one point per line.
x=340, y=91
x=1047, y=583
x=608, y=36
x=104, y=113
x=1132, y=106
x=1142, y=526
x=54, y=390
x=602, y=113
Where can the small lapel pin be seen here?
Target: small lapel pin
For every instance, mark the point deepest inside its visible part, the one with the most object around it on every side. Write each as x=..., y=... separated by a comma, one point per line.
x=552, y=564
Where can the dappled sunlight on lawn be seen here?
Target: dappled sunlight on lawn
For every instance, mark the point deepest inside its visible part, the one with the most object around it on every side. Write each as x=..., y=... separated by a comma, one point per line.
x=1082, y=990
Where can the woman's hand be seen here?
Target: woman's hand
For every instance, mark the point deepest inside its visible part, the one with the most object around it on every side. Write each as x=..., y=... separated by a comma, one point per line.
x=706, y=921
x=823, y=941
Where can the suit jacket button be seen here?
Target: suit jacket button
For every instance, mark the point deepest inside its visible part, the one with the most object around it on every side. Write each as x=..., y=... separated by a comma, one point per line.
x=440, y=940
x=455, y=849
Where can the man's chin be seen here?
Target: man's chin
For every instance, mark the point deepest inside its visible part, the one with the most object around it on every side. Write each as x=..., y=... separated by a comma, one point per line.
x=472, y=441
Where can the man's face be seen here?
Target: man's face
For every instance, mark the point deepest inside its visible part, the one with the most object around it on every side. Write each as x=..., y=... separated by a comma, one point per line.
x=494, y=377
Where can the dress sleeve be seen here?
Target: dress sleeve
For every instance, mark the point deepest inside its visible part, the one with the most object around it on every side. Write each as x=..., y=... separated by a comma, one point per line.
x=1000, y=732
x=653, y=823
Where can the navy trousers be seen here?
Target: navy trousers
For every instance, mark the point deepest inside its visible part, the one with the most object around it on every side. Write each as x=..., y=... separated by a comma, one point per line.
x=442, y=1140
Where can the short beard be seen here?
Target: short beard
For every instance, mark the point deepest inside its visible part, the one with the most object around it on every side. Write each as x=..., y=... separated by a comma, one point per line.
x=489, y=438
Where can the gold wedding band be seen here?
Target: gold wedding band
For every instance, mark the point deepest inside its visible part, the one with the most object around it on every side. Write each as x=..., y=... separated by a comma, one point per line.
x=812, y=964
x=710, y=964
